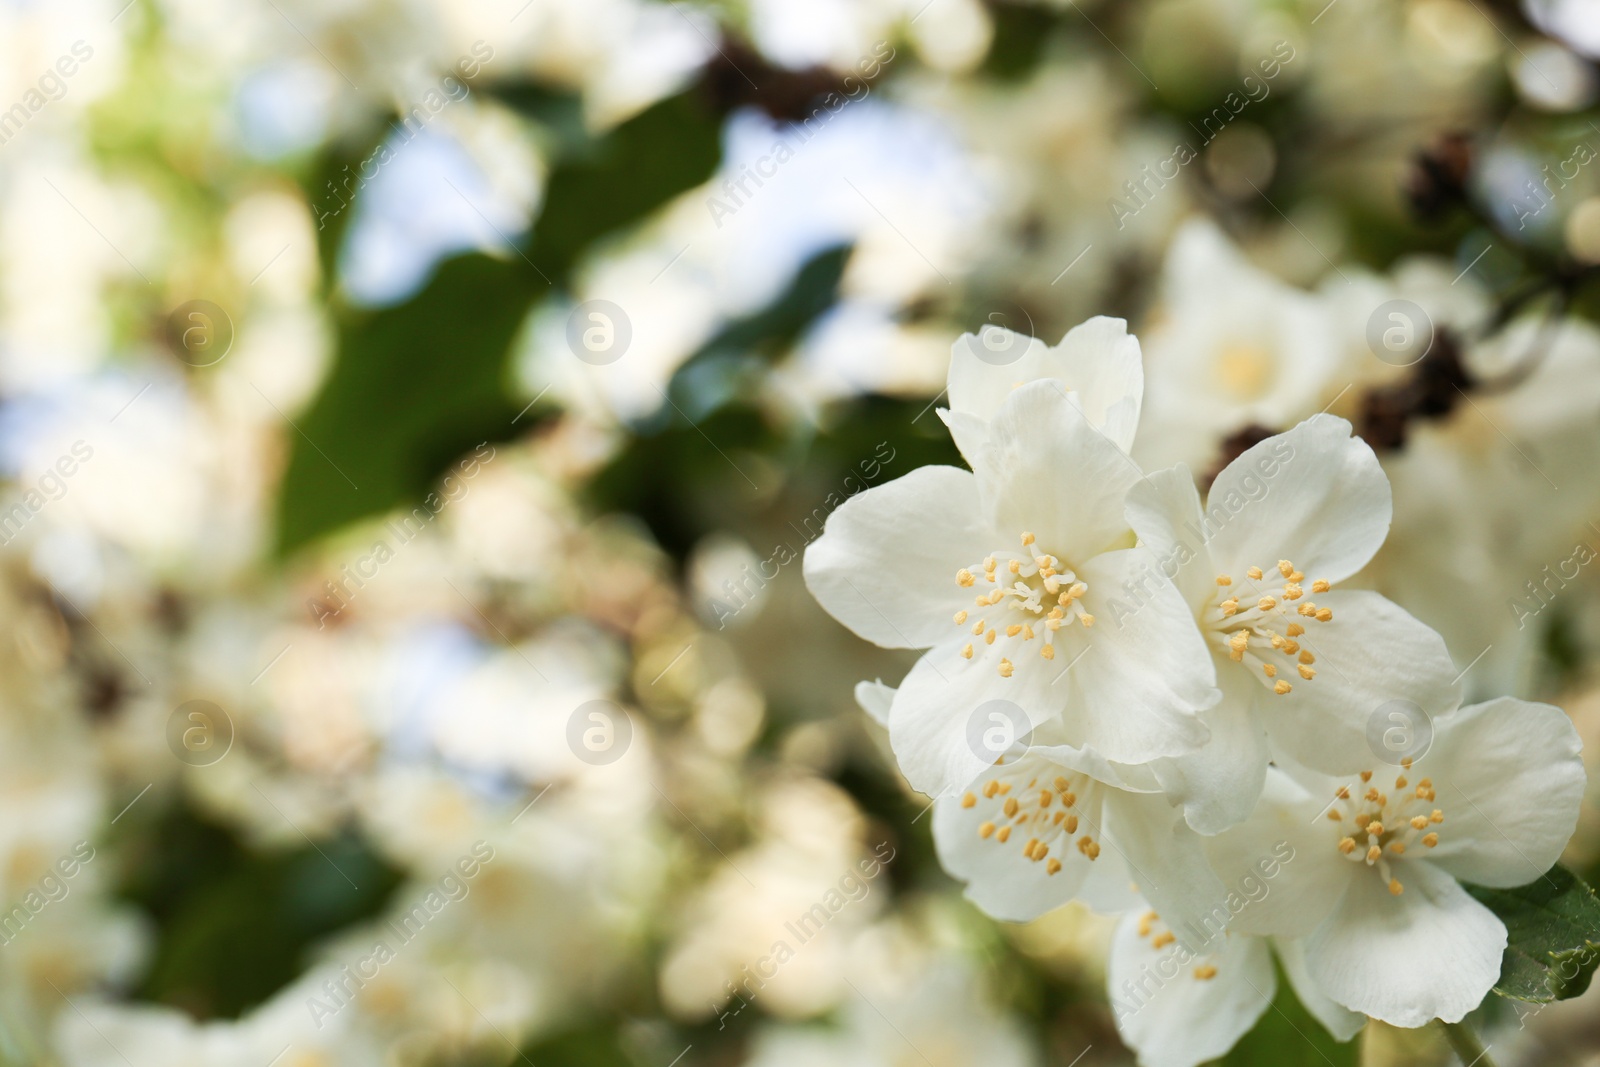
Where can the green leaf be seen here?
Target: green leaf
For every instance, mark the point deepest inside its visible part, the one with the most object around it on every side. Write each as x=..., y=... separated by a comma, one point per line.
x=415, y=385
x=1288, y=1036
x=1553, y=930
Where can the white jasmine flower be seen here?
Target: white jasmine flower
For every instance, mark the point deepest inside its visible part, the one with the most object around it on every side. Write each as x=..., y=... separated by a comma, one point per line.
x=1257, y=564
x=1372, y=891
x=1002, y=572
x=1233, y=347
x=1176, y=1007
x=1097, y=363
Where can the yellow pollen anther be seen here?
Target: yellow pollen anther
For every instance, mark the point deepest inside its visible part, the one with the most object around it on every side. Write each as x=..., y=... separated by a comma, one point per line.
x=989, y=637
x=989, y=564
x=1436, y=816
x=966, y=653
x=1324, y=614
x=1321, y=585
x=1269, y=670
x=1347, y=845
x=1045, y=797
x=1027, y=849
x=1295, y=629
x=1205, y=972
x=1004, y=835
x=1297, y=576
x=1397, y=847
x=1013, y=630
x=1223, y=579
x=964, y=577
x=1307, y=657
x=1400, y=782
x=1426, y=783
x=1430, y=839
x=1254, y=573
x=1230, y=607
x=986, y=830
x=1307, y=673
x=1292, y=592
x=1027, y=633
x=1373, y=853
x=977, y=627
x=1372, y=795
x=1005, y=667
x=1419, y=821
x=961, y=617
x=1285, y=568
x=1307, y=609
x=1278, y=641
x=1086, y=619
x=1010, y=807
x=1375, y=828
x=1281, y=687
x=1027, y=539
x=1048, y=652
x=1163, y=939
x=1015, y=566
x=1291, y=647
x=1395, y=887
x=1060, y=784
x=1335, y=816
x=1366, y=776
x=1052, y=867
x=969, y=800
x=1266, y=603
x=991, y=787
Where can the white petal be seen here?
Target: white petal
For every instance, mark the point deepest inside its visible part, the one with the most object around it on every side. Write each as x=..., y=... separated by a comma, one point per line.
x=1282, y=866
x=1164, y=510
x=1335, y=1018
x=1218, y=785
x=1135, y=694
x=942, y=709
x=1430, y=953
x=1314, y=495
x=875, y=699
x=1168, y=861
x=886, y=562
x=1509, y=781
x=1097, y=360
x=1172, y=1018
x=1370, y=654
x=1000, y=879
x=1047, y=471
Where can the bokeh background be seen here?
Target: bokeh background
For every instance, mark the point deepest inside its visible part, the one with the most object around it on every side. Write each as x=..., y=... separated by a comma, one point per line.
x=413, y=414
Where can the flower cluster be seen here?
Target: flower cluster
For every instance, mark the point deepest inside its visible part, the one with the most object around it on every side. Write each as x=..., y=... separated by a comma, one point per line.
x=1141, y=697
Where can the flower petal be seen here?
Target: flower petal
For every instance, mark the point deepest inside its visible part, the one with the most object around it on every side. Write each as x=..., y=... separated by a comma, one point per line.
x=1218, y=785
x=875, y=699
x=1046, y=470
x=1164, y=510
x=1431, y=952
x=1368, y=656
x=1098, y=360
x=886, y=563
x=1168, y=1014
x=1281, y=865
x=942, y=709
x=1335, y=1018
x=1136, y=693
x=1509, y=780
x=1168, y=861
x=1314, y=495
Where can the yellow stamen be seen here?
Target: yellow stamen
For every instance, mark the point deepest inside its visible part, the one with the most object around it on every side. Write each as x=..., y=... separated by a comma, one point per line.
x=1281, y=687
